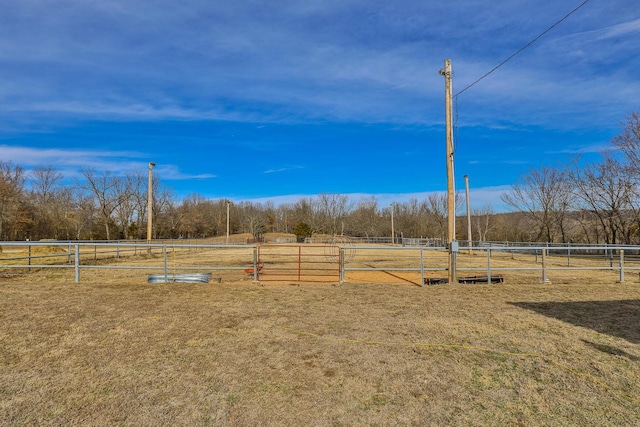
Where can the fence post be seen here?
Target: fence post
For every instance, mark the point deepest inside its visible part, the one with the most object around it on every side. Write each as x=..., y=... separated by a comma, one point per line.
x=118, y=249
x=255, y=264
x=568, y=254
x=164, y=254
x=299, y=261
x=77, y=262
x=544, y=266
x=341, y=265
x=422, y=267
x=69, y=254
x=29, y=255
x=621, y=265
x=489, y=265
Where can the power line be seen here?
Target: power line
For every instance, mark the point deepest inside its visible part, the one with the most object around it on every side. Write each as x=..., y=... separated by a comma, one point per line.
x=523, y=47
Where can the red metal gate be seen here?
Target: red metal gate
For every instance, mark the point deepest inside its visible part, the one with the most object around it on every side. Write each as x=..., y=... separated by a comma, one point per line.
x=300, y=263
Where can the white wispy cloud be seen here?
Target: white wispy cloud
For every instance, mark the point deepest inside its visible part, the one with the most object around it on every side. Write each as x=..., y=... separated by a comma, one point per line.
x=124, y=109
x=72, y=161
x=285, y=169
x=622, y=29
x=276, y=69
x=173, y=173
x=77, y=69
x=30, y=156
x=585, y=149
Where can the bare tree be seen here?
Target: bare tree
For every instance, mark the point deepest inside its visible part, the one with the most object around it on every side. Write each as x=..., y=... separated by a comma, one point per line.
x=192, y=216
x=628, y=141
x=410, y=218
x=438, y=213
x=270, y=217
x=484, y=221
x=253, y=218
x=63, y=205
x=44, y=195
x=83, y=214
x=333, y=208
x=545, y=196
x=44, y=183
x=11, y=195
x=607, y=189
x=131, y=212
x=426, y=218
x=110, y=192
x=305, y=211
x=166, y=213
x=365, y=219
x=283, y=218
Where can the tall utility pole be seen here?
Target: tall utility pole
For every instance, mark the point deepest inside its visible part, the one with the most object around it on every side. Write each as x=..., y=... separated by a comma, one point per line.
x=451, y=196
x=150, y=204
x=469, y=236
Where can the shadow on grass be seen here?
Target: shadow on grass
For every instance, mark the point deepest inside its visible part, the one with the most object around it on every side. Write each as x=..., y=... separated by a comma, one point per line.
x=396, y=276
x=614, y=351
x=615, y=318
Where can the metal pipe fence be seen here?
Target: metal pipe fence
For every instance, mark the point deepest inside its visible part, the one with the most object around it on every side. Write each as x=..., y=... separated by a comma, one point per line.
x=83, y=255
x=370, y=263
x=373, y=240
x=522, y=262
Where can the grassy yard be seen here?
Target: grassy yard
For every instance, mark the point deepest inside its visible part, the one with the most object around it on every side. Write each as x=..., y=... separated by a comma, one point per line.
x=111, y=351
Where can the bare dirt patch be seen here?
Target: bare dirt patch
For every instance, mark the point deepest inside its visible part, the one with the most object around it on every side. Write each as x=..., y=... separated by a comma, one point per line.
x=114, y=352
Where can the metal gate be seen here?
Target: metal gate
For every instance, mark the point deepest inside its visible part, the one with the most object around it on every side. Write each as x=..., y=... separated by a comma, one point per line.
x=300, y=263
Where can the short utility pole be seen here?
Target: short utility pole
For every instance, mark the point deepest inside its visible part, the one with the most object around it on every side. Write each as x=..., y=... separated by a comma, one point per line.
x=393, y=230
x=451, y=196
x=228, y=204
x=150, y=206
x=469, y=235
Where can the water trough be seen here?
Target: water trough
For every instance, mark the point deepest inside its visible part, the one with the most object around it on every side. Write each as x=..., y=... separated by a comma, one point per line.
x=181, y=278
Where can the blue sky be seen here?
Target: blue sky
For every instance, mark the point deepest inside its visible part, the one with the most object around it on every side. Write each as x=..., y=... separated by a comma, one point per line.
x=254, y=100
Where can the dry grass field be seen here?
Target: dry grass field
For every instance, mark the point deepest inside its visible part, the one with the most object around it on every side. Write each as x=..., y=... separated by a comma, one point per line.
x=116, y=351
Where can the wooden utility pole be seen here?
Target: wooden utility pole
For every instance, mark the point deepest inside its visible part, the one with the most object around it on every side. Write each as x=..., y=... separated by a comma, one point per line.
x=451, y=196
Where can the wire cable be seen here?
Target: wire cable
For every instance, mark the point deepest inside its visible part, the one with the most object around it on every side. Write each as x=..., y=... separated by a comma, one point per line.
x=523, y=48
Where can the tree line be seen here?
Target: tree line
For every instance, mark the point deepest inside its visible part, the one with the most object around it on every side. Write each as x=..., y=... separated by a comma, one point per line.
x=36, y=205
x=578, y=201
x=585, y=201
